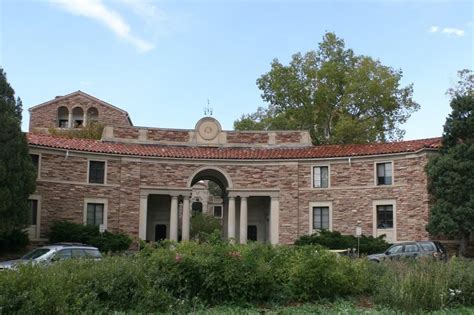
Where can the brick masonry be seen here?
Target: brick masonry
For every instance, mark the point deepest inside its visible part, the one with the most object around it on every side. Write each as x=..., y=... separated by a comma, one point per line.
x=63, y=187
x=46, y=116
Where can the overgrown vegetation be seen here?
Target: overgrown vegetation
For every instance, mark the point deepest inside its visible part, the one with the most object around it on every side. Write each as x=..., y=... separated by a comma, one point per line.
x=335, y=240
x=65, y=231
x=93, y=130
x=188, y=276
x=205, y=227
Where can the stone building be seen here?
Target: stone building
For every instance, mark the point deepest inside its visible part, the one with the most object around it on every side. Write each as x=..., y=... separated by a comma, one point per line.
x=277, y=186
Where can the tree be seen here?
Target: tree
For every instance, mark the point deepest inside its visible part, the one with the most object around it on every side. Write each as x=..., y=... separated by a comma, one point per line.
x=338, y=96
x=17, y=172
x=465, y=84
x=451, y=173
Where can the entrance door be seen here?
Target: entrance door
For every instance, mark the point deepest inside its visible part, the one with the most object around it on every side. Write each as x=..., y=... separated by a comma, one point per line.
x=160, y=232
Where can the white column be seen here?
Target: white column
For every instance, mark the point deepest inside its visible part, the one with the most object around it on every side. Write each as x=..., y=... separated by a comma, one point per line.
x=231, y=219
x=243, y=220
x=84, y=119
x=274, y=220
x=186, y=219
x=174, y=219
x=142, y=217
x=69, y=124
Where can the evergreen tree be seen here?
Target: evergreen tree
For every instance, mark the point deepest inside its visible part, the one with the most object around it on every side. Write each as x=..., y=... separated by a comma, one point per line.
x=451, y=175
x=17, y=172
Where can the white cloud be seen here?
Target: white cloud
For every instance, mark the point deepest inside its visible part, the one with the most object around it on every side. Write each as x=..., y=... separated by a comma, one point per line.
x=145, y=9
x=453, y=31
x=98, y=11
x=434, y=29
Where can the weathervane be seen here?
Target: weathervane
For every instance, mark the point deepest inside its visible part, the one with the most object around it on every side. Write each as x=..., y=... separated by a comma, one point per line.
x=208, y=109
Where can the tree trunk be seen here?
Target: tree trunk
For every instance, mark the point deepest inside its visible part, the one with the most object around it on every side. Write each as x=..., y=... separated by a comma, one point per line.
x=463, y=244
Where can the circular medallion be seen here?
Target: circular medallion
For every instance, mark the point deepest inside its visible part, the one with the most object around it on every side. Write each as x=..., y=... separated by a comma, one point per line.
x=208, y=130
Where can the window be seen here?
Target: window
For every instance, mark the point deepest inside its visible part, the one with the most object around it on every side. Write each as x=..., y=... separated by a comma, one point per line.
x=395, y=249
x=63, y=254
x=32, y=211
x=218, y=211
x=35, y=160
x=97, y=172
x=384, y=173
x=320, y=177
x=95, y=213
x=196, y=207
x=252, y=233
x=411, y=248
x=321, y=218
x=63, y=117
x=385, y=216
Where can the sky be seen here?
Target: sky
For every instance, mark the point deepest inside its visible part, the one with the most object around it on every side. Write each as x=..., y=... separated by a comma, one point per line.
x=163, y=61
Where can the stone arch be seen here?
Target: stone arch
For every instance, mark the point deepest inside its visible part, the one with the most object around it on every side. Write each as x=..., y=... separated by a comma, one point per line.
x=63, y=117
x=213, y=173
x=77, y=117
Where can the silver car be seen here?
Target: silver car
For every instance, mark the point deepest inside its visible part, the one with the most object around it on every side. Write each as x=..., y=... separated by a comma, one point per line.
x=412, y=250
x=52, y=253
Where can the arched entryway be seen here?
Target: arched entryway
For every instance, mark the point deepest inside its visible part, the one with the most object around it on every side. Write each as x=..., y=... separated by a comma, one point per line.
x=246, y=215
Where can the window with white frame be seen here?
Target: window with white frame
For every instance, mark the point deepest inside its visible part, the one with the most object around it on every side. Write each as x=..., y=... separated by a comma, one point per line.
x=384, y=173
x=97, y=172
x=320, y=176
x=321, y=218
x=384, y=216
x=95, y=213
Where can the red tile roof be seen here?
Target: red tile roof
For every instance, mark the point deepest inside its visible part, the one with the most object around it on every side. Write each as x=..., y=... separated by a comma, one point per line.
x=223, y=153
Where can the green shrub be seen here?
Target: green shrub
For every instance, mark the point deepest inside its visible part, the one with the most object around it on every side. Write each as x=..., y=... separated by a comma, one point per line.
x=66, y=231
x=183, y=277
x=204, y=226
x=93, y=130
x=335, y=240
x=15, y=240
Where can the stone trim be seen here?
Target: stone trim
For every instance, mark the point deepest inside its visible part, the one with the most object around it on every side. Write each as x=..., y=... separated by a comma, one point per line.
x=105, y=171
x=38, y=198
x=75, y=183
x=312, y=176
x=104, y=201
x=381, y=202
x=313, y=204
x=375, y=172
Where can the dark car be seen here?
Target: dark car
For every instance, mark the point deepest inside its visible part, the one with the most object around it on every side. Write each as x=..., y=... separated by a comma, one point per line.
x=413, y=250
x=53, y=253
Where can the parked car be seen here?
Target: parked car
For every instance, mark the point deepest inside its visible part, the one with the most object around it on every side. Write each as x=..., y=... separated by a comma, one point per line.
x=412, y=250
x=52, y=253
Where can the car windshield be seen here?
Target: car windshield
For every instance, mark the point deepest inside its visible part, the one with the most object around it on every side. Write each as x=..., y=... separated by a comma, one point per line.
x=36, y=253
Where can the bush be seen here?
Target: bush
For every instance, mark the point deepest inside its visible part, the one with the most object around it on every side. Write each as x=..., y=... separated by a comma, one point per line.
x=66, y=231
x=17, y=239
x=92, y=131
x=204, y=227
x=183, y=277
x=335, y=240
